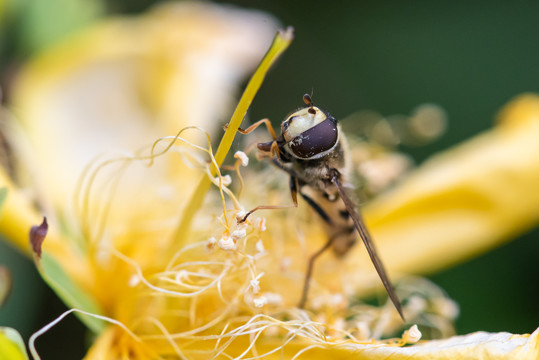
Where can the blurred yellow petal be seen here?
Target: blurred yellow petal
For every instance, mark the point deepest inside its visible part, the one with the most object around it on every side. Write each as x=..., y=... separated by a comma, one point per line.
x=120, y=85
x=17, y=214
x=465, y=200
x=127, y=81
x=72, y=280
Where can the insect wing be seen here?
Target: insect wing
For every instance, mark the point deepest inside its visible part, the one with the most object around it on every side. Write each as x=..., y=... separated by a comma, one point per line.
x=367, y=240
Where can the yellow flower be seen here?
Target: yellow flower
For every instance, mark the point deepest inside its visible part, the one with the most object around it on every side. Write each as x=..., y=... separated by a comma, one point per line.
x=154, y=277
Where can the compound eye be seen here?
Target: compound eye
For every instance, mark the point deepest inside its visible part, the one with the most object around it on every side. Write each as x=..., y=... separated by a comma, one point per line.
x=313, y=142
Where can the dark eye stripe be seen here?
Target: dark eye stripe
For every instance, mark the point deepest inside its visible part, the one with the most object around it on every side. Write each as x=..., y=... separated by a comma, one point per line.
x=286, y=124
x=316, y=140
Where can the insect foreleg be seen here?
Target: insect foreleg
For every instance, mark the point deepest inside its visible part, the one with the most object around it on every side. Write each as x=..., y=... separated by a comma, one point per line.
x=251, y=128
x=293, y=193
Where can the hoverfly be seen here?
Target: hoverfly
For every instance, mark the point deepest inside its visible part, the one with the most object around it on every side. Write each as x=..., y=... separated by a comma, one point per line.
x=312, y=150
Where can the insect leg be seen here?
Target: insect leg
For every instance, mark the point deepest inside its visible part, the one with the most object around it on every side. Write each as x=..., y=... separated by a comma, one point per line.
x=251, y=128
x=293, y=193
x=310, y=265
x=308, y=274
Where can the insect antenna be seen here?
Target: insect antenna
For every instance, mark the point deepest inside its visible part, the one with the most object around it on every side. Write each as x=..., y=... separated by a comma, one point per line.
x=307, y=99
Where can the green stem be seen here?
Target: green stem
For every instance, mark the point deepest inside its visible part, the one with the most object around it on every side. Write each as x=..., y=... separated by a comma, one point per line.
x=280, y=43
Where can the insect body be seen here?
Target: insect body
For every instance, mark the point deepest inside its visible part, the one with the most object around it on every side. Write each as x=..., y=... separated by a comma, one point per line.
x=312, y=150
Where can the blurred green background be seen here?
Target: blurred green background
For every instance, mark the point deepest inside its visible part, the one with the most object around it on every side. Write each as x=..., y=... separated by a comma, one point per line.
x=468, y=57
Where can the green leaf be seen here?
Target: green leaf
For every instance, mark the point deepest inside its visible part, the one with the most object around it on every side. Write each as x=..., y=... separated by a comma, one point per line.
x=11, y=345
x=72, y=295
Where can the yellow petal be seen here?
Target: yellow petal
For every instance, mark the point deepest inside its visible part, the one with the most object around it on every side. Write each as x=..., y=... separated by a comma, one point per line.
x=17, y=215
x=467, y=199
x=128, y=81
x=120, y=85
x=112, y=344
x=463, y=201
x=477, y=346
